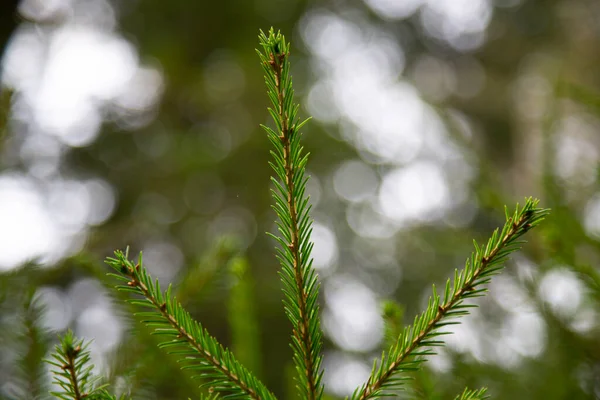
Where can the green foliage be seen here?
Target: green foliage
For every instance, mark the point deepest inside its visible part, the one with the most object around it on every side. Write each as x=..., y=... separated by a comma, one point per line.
x=209, y=273
x=73, y=371
x=416, y=341
x=21, y=328
x=137, y=363
x=392, y=314
x=36, y=342
x=245, y=332
x=219, y=371
x=292, y=207
x=210, y=396
x=183, y=335
x=473, y=394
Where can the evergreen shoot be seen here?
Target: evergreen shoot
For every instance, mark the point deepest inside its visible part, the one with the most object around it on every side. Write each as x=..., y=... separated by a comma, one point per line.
x=292, y=208
x=36, y=340
x=73, y=371
x=416, y=341
x=198, y=351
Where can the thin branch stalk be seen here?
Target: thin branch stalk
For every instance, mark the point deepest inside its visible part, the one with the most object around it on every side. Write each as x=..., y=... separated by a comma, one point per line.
x=70, y=366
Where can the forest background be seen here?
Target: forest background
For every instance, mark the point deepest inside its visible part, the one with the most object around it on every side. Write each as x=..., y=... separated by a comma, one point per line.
x=137, y=123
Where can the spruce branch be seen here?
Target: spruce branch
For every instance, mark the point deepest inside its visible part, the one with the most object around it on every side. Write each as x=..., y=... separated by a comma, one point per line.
x=292, y=208
x=469, y=394
x=416, y=341
x=73, y=372
x=184, y=336
x=37, y=343
x=136, y=357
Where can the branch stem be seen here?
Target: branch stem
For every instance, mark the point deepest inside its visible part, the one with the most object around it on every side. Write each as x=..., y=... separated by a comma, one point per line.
x=70, y=366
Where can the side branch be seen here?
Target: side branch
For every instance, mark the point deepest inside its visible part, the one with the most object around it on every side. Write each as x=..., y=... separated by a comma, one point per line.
x=72, y=372
x=161, y=307
x=170, y=319
x=484, y=263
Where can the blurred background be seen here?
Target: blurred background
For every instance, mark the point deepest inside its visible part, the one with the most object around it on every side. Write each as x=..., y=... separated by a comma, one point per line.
x=136, y=123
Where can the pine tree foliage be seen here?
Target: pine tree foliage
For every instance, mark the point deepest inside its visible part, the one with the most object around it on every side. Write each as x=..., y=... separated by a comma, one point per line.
x=24, y=376
x=416, y=341
x=198, y=351
x=73, y=371
x=221, y=373
x=292, y=208
x=36, y=341
x=137, y=365
x=469, y=394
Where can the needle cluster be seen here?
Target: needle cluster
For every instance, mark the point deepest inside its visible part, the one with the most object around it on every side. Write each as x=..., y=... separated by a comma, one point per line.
x=292, y=207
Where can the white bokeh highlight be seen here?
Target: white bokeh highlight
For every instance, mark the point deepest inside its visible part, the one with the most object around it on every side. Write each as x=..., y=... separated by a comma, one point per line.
x=27, y=230
x=325, y=249
x=355, y=181
x=343, y=373
x=416, y=192
x=562, y=291
x=351, y=316
x=68, y=77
